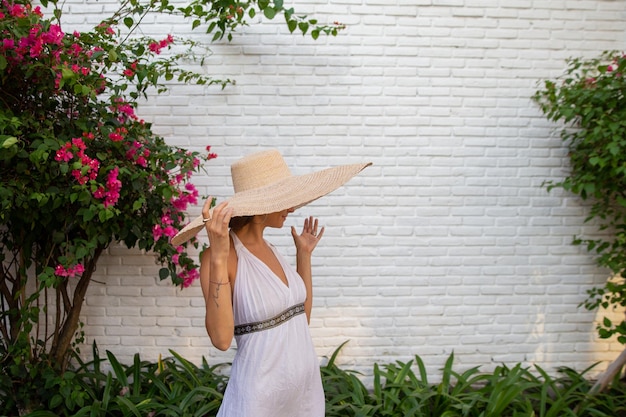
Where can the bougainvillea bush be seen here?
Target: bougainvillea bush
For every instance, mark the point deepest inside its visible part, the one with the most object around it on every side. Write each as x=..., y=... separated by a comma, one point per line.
x=79, y=171
x=590, y=102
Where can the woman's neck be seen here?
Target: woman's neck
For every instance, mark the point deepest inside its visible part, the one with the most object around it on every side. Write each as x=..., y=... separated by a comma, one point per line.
x=251, y=234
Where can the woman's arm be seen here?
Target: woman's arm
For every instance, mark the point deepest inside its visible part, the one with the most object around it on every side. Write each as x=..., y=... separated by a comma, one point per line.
x=305, y=244
x=215, y=277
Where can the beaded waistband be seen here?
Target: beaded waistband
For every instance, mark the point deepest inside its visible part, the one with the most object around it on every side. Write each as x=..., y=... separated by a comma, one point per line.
x=270, y=323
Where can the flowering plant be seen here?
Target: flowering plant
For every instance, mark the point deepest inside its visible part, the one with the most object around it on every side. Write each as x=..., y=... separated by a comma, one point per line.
x=590, y=101
x=79, y=169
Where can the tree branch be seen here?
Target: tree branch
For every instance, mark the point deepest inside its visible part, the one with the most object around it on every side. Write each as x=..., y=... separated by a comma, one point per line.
x=605, y=379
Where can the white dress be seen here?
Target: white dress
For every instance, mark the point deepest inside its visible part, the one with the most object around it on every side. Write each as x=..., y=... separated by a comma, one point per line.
x=275, y=371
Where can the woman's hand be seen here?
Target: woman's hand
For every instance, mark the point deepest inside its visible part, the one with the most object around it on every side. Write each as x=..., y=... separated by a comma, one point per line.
x=217, y=227
x=307, y=240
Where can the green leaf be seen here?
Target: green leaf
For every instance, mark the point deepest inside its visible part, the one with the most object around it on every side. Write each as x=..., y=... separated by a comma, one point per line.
x=269, y=12
x=118, y=368
x=128, y=21
x=56, y=401
x=67, y=74
x=8, y=141
x=292, y=25
x=137, y=204
x=594, y=160
x=88, y=214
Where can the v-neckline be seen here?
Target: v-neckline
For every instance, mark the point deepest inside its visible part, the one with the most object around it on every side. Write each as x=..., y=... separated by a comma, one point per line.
x=285, y=284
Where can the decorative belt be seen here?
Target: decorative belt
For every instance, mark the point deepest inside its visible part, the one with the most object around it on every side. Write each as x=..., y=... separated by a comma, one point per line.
x=268, y=324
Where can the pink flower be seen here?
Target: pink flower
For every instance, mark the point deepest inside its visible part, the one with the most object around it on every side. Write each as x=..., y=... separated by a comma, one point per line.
x=115, y=137
x=169, y=231
x=129, y=72
x=54, y=36
x=188, y=276
x=63, y=155
x=106, y=28
x=210, y=155
x=141, y=161
x=99, y=193
x=57, y=80
x=16, y=10
x=78, y=142
x=157, y=232
x=154, y=47
x=80, y=178
x=70, y=272
x=78, y=269
x=114, y=186
x=36, y=48
x=127, y=110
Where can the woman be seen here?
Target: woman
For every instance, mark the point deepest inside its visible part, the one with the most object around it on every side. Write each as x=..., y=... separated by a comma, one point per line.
x=254, y=295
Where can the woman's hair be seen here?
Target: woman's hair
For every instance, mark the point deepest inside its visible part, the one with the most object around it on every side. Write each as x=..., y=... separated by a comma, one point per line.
x=237, y=223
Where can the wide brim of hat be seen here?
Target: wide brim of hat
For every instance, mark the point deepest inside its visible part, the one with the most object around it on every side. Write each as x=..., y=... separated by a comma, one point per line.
x=292, y=192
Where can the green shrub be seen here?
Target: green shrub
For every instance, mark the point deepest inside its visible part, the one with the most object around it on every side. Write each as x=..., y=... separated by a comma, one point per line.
x=589, y=102
x=175, y=387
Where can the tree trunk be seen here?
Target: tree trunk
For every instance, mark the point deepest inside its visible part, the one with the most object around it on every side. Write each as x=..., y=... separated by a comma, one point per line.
x=605, y=379
x=63, y=340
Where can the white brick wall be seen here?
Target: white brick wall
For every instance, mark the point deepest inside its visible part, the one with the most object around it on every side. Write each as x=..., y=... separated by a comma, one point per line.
x=448, y=243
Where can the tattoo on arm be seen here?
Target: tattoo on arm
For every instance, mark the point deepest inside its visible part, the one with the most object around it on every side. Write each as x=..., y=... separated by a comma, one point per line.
x=217, y=291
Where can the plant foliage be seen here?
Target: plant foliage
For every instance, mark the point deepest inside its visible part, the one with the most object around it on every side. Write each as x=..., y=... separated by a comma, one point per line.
x=590, y=102
x=402, y=389
x=175, y=387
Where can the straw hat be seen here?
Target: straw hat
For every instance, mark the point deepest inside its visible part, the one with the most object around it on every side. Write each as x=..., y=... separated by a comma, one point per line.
x=263, y=184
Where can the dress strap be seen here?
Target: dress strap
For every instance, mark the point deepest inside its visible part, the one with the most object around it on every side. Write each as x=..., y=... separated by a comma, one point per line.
x=237, y=243
x=270, y=323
